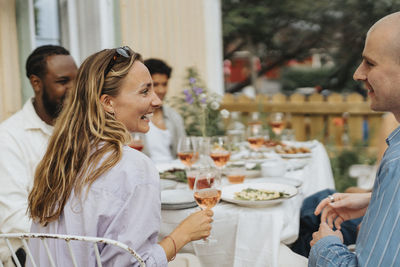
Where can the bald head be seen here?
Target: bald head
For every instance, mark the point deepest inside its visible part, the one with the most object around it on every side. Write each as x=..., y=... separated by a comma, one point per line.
x=389, y=27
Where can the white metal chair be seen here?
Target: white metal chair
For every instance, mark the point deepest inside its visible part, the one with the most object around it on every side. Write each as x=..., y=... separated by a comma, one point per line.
x=67, y=238
x=185, y=260
x=365, y=175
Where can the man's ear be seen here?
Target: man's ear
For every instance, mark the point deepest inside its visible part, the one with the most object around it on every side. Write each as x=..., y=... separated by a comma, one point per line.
x=36, y=83
x=107, y=103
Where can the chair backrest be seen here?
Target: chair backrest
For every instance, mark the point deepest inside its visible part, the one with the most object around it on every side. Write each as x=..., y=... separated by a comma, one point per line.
x=67, y=238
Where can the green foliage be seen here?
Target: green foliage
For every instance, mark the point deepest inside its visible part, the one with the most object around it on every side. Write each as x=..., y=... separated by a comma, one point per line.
x=178, y=175
x=281, y=30
x=294, y=77
x=198, y=107
x=341, y=162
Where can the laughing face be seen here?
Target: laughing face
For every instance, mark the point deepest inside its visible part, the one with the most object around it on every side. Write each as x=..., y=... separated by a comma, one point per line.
x=136, y=101
x=380, y=69
x=160, y=83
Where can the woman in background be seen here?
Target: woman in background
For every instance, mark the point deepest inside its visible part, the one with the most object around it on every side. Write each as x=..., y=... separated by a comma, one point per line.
x=90, y=183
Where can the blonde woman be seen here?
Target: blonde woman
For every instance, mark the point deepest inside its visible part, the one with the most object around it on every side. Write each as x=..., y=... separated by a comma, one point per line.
x=90, y=183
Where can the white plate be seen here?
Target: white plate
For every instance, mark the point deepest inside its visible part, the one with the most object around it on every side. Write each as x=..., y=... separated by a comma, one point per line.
x=252, y=173
x=296, y=156
x=228, y=193
x=167, y=184
x=280, y=180
x=296, y=164
x=177, y=196
x=308, y=144
x=166, y=166
x=178, y=206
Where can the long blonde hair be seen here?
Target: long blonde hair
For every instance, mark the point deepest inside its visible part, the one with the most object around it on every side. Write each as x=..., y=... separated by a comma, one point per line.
x=83, y=135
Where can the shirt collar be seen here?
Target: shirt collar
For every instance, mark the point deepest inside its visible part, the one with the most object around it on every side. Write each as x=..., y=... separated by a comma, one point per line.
x=33, y=121
x=165, y=111
x=394, y=137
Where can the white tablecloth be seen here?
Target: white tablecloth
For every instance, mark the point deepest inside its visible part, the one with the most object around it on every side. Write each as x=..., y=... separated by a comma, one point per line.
x=251, y=236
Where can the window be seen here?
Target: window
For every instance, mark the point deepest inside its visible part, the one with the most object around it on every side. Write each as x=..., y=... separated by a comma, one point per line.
x=47, y=25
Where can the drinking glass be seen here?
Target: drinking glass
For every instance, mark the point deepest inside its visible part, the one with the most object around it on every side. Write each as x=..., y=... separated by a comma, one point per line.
x=256, y=137
x=207, y=193
x=288, y=135
x=187, y=151
x=137, y=141
x=220, y=151
x=277, y=122
x=191, y=177
x=236, y=173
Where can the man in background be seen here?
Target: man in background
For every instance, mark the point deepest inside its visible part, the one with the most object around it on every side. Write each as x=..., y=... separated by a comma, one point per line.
x=24, y=136
x=166, y=125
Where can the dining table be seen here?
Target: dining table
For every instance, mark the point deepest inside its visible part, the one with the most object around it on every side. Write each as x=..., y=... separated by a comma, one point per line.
x=250, y=235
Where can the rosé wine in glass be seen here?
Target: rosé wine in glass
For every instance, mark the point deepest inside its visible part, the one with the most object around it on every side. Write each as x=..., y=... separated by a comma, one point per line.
x=186, y=158
x=207, y=192
x=207, y=198
x=137, y=141
x=236, y=178
x=220, y=151
x=191, y=178
x=187, y=152
x=220, y=158
x=256, y=142
x=137, y=146
x=277, y=122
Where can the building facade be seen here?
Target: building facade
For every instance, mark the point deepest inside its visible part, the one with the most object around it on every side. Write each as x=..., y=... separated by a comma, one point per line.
x=184, y=33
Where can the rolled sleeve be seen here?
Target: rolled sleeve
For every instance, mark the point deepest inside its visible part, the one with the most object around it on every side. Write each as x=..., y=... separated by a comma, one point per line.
x=329, y=251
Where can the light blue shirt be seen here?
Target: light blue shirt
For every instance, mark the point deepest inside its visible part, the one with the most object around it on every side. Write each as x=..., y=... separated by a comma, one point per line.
x=378, y=242
x=123, y=204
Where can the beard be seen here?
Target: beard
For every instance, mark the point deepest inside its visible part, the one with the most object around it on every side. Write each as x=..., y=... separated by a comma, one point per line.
x=53, y=108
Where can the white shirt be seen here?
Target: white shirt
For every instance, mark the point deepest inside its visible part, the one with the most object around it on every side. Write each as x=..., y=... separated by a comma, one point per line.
x=158, y=142
x=123, y=204
x=23, y=141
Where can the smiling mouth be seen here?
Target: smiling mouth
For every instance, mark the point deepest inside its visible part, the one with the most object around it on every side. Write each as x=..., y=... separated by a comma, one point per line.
x=147, y=116
x=369, y=88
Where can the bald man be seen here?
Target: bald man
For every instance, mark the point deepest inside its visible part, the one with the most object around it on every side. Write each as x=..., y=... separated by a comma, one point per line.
x=378, y=241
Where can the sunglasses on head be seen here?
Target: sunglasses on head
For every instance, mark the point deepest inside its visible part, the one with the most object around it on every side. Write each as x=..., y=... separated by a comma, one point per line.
x=123, y=51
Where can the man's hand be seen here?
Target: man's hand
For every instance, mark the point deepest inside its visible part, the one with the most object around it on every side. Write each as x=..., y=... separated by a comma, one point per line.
x=344, y=207
x=324, y=230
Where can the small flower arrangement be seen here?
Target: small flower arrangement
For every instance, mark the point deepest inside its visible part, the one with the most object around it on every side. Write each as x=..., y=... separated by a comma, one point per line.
x=199, y=108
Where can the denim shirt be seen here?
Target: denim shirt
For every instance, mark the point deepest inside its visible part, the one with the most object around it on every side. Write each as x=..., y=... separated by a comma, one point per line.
x=378, y=242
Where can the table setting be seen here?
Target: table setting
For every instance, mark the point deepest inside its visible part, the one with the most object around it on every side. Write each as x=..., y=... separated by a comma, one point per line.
x=260, y=195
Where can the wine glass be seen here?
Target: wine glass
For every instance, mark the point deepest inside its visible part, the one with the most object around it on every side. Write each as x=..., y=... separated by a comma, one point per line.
x=256, y=136
x=220, y=151
x=277, y=122
x=191, y=177
x=137, y=141
x=187, y=152
x=207, y=193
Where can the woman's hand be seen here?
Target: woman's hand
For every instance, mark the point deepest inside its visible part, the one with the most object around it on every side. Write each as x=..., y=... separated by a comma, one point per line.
x=196, y=226
x=323, y=231
x=344, y=207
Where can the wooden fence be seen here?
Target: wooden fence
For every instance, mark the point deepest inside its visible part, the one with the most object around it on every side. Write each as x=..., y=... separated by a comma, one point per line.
x=315, y=117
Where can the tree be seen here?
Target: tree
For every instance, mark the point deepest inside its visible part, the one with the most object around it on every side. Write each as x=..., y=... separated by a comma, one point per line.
x=280, y=30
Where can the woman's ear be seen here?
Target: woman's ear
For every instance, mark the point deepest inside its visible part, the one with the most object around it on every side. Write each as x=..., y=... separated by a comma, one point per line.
x=107, y=103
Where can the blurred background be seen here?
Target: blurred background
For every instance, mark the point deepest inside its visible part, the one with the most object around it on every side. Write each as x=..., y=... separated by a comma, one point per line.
x=259, y=46
x=298, y=56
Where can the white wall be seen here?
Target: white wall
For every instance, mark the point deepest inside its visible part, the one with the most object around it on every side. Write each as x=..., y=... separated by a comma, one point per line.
x=184, y=33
